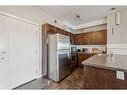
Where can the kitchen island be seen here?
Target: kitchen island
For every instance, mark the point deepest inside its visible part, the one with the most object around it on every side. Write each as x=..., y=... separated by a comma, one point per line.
x=102, y=71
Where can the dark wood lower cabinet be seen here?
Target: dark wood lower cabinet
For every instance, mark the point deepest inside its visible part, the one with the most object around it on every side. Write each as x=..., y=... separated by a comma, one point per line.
x=83, y=56
x=99, y=78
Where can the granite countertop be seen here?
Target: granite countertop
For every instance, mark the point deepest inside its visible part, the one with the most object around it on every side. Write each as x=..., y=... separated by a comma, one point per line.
x=115, y=62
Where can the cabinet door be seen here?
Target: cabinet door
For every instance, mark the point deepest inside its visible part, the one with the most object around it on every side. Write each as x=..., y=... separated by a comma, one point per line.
x=63, y=32
x=104, y=36
x=51, y=29
x=91, y=38
x=87, y=38
x=101, y=37
x=58, y=30
x=81, y=57
x=78, y=39
x=66, y=33
x=84, y=39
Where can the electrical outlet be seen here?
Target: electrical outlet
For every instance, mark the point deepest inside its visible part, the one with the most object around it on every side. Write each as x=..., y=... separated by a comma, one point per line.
x=120, y=75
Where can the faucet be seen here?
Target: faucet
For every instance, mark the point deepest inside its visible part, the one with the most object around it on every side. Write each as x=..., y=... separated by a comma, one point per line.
x=110, y=53
x=103, y=51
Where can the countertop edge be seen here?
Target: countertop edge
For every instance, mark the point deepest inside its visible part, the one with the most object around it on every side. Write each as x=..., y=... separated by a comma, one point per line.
x=102, y=66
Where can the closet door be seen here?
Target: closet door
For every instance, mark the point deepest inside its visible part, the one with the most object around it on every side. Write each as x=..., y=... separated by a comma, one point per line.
x=4, y=65
x=22, y=55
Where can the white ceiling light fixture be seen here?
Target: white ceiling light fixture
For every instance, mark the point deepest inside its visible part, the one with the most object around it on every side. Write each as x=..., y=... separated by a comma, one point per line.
x=77, y=16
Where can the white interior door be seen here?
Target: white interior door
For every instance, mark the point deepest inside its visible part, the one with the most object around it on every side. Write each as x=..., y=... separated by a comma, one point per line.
x=22, y=52
x=4, y=65
x=18, y=58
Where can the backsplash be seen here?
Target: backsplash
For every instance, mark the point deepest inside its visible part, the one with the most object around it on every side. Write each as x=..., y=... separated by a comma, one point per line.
x=90, y=47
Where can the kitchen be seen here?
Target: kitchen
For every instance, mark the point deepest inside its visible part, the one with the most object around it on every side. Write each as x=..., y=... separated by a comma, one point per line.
x=68, y=52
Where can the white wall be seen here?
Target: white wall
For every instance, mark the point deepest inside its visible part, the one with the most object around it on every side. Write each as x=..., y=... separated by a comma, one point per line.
x=117, y=40
x=37, y=16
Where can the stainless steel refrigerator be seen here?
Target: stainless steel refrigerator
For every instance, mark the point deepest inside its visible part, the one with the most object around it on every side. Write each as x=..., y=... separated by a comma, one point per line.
x=58, y=57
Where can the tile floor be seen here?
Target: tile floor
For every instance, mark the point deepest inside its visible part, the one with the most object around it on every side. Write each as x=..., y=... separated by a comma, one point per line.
x=73, y=81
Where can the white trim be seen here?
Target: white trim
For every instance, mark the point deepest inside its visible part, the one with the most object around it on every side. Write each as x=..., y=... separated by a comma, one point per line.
x=69, y=25
x=91, y=29
x=117, y=46
x=38, y=77
x=90, y=24
x=18, y=18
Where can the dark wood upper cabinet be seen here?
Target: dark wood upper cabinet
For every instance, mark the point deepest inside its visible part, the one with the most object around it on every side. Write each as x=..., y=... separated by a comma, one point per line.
x=50, y=29
x=91, y=38
x=58, y=30
x=64, y=32
x=101, y=37
x=78, y=39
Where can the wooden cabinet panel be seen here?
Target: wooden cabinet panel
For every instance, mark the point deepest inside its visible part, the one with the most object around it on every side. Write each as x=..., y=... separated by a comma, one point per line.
x=85, y=39
x=83, y=56
x=65, y=33
x=44, y=47
x=101, y=37
x=50, y=29
x=58, y=30
x=78, y=39
x=100, y=78
x=91, y=38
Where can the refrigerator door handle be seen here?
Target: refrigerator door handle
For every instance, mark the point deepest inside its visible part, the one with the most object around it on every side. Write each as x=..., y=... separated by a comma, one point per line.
x=68, y=55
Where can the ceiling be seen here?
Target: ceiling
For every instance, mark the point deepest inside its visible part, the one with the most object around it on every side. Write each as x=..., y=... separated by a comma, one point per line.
x=87, y=13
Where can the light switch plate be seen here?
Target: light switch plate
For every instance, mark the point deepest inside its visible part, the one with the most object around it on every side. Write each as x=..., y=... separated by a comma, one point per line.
x=120, y=75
